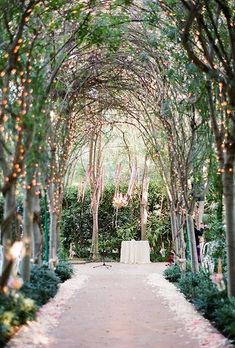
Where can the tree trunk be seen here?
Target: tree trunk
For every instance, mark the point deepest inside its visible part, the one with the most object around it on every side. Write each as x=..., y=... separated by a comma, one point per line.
x=95, y=232
x=201, y=205
x=52, y=228
x=175, y=239
x=53, y=239
x=37, y=235
x=27, y=233
x=8, y=217
x=144, y=200
x=46, y=227
x=182, y=244
x=229, y=202
x=96, y=184
x=192, y=244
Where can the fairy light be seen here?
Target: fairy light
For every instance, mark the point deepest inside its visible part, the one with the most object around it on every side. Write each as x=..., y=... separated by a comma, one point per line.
x=34, y=182
x=16, y=49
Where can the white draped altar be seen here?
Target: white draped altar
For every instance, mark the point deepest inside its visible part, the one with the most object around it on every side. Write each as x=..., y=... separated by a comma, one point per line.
x=135, y=251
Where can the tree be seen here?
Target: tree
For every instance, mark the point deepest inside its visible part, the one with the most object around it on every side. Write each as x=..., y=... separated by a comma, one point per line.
x=208, y=36
x=144, y=199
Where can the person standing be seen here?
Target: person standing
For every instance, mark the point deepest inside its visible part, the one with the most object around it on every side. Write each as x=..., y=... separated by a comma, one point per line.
x=198, y=235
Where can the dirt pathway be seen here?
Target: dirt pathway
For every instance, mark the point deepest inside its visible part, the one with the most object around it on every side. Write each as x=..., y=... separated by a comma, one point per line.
x=128, y=306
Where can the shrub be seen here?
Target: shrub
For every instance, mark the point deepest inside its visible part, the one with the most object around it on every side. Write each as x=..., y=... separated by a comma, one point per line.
x=172, y=273
x=64, y=270
x=15, y=310
x=188, y=284
x=212, y=303
x=224, y=317
x=42, y=286
x=208, y=297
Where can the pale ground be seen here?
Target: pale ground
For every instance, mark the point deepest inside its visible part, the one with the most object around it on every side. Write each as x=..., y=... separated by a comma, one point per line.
x=127, y=306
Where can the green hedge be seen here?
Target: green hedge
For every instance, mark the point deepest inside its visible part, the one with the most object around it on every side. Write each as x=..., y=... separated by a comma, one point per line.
x=205, y=296
x=172, y=273
x=64, y=270
x=42, y=286
x=114, y=226
x=18, y=308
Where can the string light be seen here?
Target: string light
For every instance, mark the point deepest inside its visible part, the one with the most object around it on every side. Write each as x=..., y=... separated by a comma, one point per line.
x=220, y=86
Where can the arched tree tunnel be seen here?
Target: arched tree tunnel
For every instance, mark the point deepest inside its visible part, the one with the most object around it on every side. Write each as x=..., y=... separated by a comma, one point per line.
x=73, y=73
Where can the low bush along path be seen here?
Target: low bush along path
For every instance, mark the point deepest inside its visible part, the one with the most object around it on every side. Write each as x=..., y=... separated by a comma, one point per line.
x=128, y=306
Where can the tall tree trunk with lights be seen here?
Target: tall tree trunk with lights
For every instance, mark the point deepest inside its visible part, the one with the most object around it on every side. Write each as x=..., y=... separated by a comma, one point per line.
x=27, y=232
x=53, y=225
x=229, y=203
x=37, y=233
x=9, y=210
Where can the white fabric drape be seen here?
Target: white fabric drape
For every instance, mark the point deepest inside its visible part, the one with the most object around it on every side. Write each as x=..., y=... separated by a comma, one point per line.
x=135, y=252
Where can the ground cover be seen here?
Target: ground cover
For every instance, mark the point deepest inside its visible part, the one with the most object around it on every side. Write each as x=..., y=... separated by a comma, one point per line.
x=212, y=302
x=19, y=307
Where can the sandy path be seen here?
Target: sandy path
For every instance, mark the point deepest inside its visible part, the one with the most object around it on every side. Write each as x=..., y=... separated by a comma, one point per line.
x=128, y=306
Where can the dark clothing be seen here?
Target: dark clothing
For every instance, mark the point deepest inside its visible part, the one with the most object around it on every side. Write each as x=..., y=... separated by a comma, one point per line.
x=198, y=233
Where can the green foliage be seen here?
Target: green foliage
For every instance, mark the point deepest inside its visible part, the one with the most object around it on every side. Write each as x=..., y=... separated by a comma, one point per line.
x=107, y=30
x=127, y=232
x=172, y=273
x=15, y=310
x=213, y=217
x=64, y=270
x=42, y=286
x=159, y=230
x=114, y=225
x=224, y=317
x=76, y=223
x=188, y=284
x=208, y=297
x=208, y=300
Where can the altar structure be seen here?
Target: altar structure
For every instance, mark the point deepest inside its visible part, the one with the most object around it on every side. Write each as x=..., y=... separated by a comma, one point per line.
x=135, y=252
